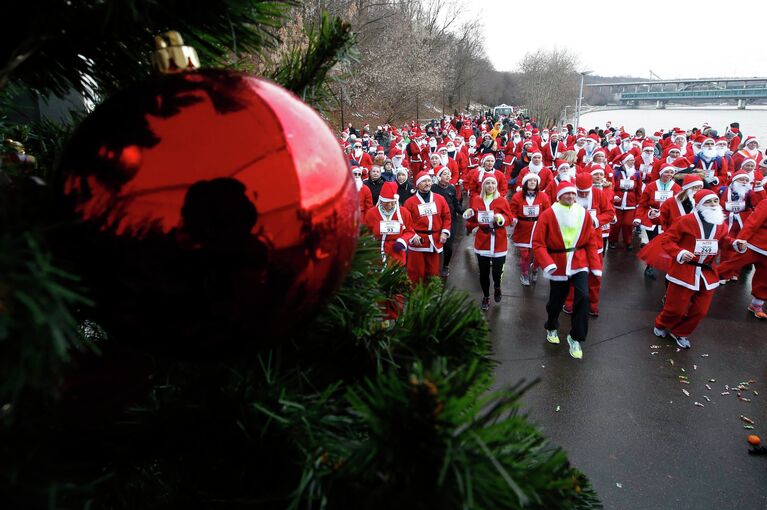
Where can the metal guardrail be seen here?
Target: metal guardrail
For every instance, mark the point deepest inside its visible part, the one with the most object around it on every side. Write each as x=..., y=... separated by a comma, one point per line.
x=747, y=93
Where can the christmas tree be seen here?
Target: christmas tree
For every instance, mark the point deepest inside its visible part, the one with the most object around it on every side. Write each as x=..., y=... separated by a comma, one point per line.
x=341, y=410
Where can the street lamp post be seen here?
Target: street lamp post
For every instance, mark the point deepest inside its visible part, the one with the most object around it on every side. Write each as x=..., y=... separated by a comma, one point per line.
x=579, y=102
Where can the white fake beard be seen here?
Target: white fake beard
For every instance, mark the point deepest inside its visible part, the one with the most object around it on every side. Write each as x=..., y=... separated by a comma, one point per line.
x=713, y=215
x=752, y=154
x=358, y=182
x=583, y=201
x=517, y=139
x=569, y=218
x=647, y=158
x=443, y=159
x=535, y=168
x=740, y=189
x=545, y=137
x=357, y=153
x=626, y=146
x=631, y=171
x=396, y=162
x=670, y=159
x=721, y=151
x=564, y=176
x=709, y=153
x=611, y=146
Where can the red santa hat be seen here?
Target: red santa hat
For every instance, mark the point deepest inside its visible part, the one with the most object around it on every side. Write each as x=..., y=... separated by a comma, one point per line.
x=389, y=192
x=748, y=160
x=450, y=146
x=707, y=139
x=627, y=156
x=678, y=132
x=535, y=131
x=529, y=176
x=534, y=150
x=594, y=137
x=595, y=169
x=422, y=176
x=681, y=164
x=442, y=148
x=673, y=147
x=750, y=139
x=647, y=144
x=691, y=180
x=703, y=195
x=599, y=151
x=566, y=187
x=741, y=173
x=623, y=135
x=395, y=152
x=667, y=168
x=486, y=157
x=583, y=182
x=438, y=171
x=560, y=163
x=722, y=140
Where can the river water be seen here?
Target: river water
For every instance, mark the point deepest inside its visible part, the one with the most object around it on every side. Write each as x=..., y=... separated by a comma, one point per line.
x=753, y=120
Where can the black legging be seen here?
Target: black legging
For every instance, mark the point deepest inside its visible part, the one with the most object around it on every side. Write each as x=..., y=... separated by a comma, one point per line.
x=557, y=295
x=447, y=248
x=484, y=272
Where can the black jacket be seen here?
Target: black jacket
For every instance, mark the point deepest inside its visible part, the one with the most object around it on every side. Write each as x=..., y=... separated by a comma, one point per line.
x=375, y=188
x=451, y=197
x=405, y=191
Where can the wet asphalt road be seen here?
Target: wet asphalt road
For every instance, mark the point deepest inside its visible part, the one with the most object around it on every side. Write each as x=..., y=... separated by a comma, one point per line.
x=623, y=417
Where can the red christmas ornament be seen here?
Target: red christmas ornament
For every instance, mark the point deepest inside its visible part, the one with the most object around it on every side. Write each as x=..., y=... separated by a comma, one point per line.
x=215, y=206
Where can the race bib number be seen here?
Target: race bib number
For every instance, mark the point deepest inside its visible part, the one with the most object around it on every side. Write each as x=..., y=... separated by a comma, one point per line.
x=662, y=196
x=627, y=184
x=735, y=207
x=389, y=227
x=705, y=247
x=708, y=175
x=485, y=217
x=531, y=211
x=427, y=209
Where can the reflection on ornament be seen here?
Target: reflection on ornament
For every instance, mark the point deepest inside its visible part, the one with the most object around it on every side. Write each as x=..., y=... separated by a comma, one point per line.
x=218, y=207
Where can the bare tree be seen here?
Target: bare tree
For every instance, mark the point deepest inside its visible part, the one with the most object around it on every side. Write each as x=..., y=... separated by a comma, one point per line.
x=549, y=81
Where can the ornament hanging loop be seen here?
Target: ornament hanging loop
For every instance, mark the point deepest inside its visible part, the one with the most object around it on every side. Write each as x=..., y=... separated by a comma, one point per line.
x=172, y=56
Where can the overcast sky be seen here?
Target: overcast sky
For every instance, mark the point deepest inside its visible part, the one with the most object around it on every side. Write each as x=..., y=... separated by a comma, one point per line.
x=674, y=38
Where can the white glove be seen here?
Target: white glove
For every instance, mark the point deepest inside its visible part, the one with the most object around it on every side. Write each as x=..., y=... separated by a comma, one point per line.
x=637, y=222
x=468, y=213
x=740, y=245
x=550, y=270
x=654, y=213
x=617, y=199
x=460, y=182
x=499, y=219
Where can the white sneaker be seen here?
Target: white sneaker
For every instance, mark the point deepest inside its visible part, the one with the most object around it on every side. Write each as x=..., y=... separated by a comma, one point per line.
x=552, y=336
x=575, y=348
x=660, y=333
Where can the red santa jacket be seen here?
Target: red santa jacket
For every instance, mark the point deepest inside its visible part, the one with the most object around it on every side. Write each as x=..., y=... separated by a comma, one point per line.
x=431, y=217
x=558, y=261
x=737, y=211
x=600, y=207
x=366, y=200
x=545, y=175
x=491, y=239
x=364, y=161
x=714, y=171
x=670, y=210
x=741, y=155
x=396, y=228
x=550, y=152
x=474, y=180
x=626, y=190
x=526, y=210
x=755, y=229
x=687, y=234
x=652, y=198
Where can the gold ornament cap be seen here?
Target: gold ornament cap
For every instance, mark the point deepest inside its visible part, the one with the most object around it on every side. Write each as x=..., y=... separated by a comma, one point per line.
x=172, y=56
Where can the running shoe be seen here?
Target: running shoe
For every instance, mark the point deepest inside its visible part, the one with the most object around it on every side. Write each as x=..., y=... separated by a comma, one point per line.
x=758, y=311
x=534, y=275
x=497, y=295
x=524, y=279
x=445, y=272
x=552, y=336
x=682, y=341
x=649, y=272
x=660, y=333
x=485, y=304
x=594, y=313
x=567, y=310
x=575, y=348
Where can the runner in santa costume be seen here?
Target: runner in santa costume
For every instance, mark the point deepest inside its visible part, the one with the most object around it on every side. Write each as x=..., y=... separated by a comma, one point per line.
x=537, y=167
x=565, y=246
x=648, y=210
x=359, y=157
x=622, y=148
x=627, y=190
x=602, y=187
x=390, y=225
x=489, y=213
x=551, y=149
x=750, y=150
x=645, y=162
x=599, y=207
x=414, y=156
x=713, y=167
x=586, y=154
x=431, y=222
x=564, y=173
x=474, y=182
x=738, y=200
x=526, y=207
x=687, y=252
x=682, y=203
x=363, y=192
x=670, y=154
x=749, y=166
x=446, y=160
x=752, y=243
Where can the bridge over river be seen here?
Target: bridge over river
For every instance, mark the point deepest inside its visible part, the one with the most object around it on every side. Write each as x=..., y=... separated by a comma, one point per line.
x=693, y=90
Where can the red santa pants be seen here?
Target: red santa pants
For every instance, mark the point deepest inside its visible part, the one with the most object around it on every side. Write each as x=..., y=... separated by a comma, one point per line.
x=683, y=309
x=524, y=261
x=728, y=253
x=624, y=226
x=759, y=280
x=594, y=285
x=421, y=265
